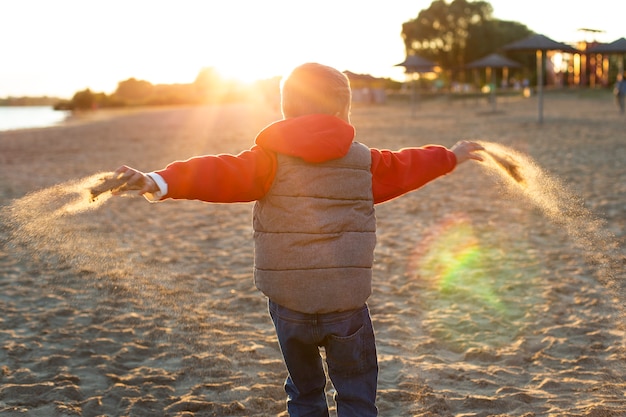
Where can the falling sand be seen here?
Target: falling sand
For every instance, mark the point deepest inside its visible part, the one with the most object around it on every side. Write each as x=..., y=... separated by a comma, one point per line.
x=523, y=177
x=108, y=182
x=40, y=219
x=45, y=224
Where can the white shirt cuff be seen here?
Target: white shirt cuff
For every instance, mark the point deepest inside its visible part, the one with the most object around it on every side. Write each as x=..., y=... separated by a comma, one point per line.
x=160, y=182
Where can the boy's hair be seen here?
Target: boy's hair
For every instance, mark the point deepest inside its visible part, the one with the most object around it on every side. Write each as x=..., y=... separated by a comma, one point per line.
x=314, y=88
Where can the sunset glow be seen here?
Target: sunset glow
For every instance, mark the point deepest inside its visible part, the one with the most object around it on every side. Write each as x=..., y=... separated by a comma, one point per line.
x=58, y=48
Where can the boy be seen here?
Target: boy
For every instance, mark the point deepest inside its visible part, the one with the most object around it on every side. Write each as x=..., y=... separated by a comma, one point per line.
x=314, y=229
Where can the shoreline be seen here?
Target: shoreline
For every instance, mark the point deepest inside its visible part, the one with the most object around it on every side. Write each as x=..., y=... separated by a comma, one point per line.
x=79, y=117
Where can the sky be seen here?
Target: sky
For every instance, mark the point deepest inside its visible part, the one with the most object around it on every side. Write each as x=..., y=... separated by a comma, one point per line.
x=59, y=47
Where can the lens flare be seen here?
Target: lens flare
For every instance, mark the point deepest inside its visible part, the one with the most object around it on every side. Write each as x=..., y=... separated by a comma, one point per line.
x=480, y=286
x=484, y=285
x=451, y=257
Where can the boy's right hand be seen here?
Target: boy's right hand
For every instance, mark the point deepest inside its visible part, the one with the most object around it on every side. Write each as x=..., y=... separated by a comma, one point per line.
x=136, y=180
x=465, y=150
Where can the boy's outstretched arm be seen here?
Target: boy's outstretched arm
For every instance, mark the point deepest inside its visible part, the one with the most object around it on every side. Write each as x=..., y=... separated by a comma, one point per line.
x=223, y=178
x=397, y=173
x=465, y=150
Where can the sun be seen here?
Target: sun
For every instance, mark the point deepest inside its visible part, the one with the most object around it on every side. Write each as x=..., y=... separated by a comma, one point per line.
x=242, y=74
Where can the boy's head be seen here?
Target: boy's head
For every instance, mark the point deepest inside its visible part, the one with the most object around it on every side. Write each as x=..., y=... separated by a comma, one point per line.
x=314, y=88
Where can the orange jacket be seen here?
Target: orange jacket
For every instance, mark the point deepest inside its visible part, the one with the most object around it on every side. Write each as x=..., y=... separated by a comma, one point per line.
x=315, y=138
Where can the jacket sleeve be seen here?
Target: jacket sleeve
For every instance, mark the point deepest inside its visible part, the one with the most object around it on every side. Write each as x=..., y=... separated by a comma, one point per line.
x=221, y=178
x=397, y=172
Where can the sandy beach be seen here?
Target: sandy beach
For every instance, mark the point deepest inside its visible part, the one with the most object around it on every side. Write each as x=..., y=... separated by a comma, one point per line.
x=491, y=296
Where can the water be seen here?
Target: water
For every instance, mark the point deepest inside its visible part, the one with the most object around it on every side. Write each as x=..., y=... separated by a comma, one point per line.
x=27, y=117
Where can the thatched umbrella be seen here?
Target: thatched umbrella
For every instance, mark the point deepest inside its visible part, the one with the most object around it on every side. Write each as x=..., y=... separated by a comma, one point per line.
x=540, y=44
x=617, y=47
x=415, y=64
x=490, y=62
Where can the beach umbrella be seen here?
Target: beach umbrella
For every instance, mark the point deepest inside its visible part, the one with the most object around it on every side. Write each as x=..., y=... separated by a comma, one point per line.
x=493, y=61
x=617, y=47
x=490, y=62
x=540, y=44
x=415, y=64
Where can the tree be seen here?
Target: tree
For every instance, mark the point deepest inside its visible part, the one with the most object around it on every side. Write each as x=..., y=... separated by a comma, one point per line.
x=134, y=90
x=457, y=33
x=83, y=100
x=440, y=32
x=491, y=36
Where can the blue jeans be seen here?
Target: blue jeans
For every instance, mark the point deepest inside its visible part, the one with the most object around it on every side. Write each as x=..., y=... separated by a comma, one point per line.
x=348, y=339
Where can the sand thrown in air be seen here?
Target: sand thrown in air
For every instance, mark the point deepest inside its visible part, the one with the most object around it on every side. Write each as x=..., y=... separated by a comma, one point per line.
x=45, y=220
x=524, y=178
x=59, y=227
x=42, y=220
x=108, y=182
x=47, y=225
x=69, y=240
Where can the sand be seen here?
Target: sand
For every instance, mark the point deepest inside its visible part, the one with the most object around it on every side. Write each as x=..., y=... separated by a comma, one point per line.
x=489, y=299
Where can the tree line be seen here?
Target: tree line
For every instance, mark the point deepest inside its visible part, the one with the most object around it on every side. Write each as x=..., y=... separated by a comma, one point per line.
x=28, y=101
x=450, y=34
x=208, y=87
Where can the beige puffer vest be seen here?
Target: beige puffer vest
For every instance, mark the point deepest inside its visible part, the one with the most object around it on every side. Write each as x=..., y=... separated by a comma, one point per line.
x=315, y=233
